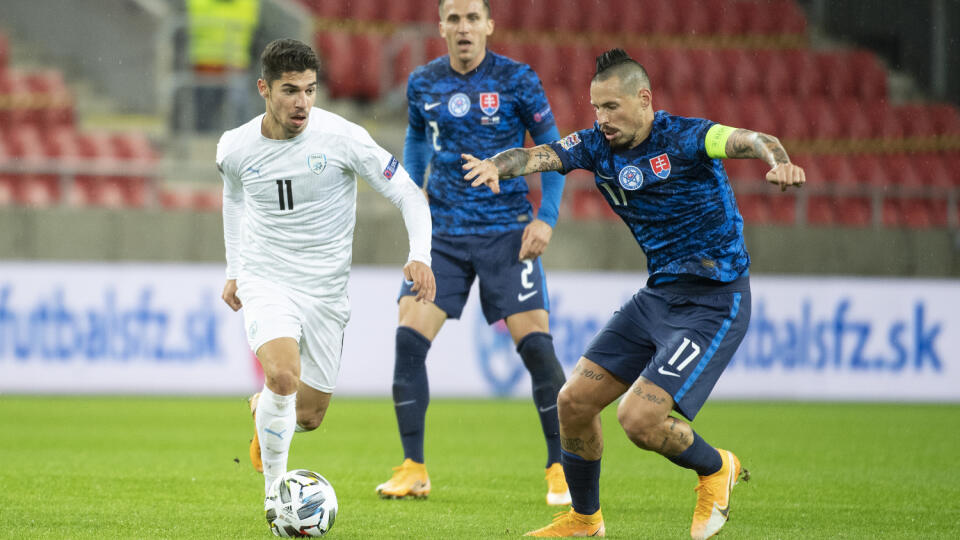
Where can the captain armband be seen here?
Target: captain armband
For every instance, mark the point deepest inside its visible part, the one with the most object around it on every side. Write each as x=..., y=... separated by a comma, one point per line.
x=715, y=142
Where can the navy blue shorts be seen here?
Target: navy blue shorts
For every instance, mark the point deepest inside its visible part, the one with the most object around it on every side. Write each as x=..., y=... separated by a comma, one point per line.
x=507, y=285
x=681, y=342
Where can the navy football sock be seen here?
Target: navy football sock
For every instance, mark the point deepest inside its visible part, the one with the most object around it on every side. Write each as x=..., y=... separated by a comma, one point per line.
x=536, y=350
x=583, y=478
x=411, y=391
x=700, y=457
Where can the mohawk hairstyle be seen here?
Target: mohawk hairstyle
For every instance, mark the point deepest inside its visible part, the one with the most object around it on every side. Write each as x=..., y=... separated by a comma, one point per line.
x=284, y=55
x=616, y=62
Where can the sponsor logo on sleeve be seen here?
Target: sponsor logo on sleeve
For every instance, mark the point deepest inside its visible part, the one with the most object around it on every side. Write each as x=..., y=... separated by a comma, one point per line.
x=391, y=168
x=489, y=102
x=542, y=115
x=660, y=165
x=570, y=141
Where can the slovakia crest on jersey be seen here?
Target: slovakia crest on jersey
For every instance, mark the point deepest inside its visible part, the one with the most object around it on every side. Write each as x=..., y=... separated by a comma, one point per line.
x=660, y=165
x=391, y=168
x=489, y=102
x=631, y=178
x=459, y=104
x=317, y=162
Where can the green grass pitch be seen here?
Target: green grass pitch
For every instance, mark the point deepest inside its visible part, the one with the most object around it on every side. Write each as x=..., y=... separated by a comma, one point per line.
x=79, y=467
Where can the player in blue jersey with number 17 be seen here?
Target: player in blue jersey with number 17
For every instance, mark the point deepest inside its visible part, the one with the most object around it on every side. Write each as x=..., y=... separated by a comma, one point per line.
x=667, y=346
x=473, y=100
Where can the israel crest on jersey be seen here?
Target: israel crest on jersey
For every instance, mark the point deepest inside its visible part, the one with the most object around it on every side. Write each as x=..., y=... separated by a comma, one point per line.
x=660, y=165
x=317, y=162
x=489, y=102
x=459, y=104
x=631, y=178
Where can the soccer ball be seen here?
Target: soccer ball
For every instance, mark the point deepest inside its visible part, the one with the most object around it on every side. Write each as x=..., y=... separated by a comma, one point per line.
x=299, y=504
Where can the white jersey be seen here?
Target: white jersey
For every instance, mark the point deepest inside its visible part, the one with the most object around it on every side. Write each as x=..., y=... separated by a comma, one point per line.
x=289, y=206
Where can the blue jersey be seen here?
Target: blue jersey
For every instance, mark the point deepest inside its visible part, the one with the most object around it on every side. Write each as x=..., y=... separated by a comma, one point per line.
x=483, y=112
x=676, y=200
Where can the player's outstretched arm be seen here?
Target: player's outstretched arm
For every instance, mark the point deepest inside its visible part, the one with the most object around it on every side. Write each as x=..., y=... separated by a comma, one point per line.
x=744, y=143
x=421, y=277
x=508, y=164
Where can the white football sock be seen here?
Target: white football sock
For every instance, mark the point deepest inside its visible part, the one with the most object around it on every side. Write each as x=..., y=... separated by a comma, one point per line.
x=276, y=418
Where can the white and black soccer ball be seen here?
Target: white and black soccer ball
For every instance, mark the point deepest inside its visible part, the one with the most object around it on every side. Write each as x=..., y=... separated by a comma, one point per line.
x=300, y=504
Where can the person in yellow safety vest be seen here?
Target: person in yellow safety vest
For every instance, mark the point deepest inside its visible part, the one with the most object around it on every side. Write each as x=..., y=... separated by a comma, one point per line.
x=220, y=36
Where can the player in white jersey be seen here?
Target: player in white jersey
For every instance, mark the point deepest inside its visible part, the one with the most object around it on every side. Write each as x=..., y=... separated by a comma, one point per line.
x=289, y=208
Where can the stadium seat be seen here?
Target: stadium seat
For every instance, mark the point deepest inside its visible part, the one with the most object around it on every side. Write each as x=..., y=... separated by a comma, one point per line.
x=713, y=75
x=854, y=118
x=792, y=120
x=724, y=109
x=903, y=170
x=854, y=211
x=504, y=13
x=363, y=10
x=934, y=170
x=657, y=17
x=757, y=114
x=561, y=102
x=821, y=210
x=782, y=207
x=406, y=11
x=836, y=77
x=689, y=104
x=753, y=208
x=836, y=170
x=946, y=119
x=776, y=17
x=368, y=51
x=330, y=9
x=744, y=75
x=695, y=18
x=870, y=170
x=679, y=74
x=531, y=15
x=870, y=77
x=732, y=18
x=337, y=61
x=544, y=58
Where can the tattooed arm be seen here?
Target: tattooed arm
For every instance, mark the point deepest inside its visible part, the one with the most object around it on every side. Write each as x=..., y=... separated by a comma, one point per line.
x=743, y=143
x=508, y=164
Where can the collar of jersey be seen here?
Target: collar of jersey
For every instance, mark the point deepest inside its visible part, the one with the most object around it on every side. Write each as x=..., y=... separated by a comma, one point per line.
x=487, y=58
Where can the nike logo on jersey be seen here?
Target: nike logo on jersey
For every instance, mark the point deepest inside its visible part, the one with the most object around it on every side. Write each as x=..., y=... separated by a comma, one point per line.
x=604, y=177
x=545, y=409
x=665, y=372
x=429, y=106
x=523, y=297
x=402, y=403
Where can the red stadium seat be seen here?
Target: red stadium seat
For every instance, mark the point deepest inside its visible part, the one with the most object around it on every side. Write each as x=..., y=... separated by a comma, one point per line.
x=331, y=9
x=821, y=210
x=545, y=60
x=724, y=109
x=564, y=15
x=836, y=76
x=805, y=73
x=822, y=121
x=504, y=13
x=732, y=18
x=775, y=17
x=679, y=75
x=436, y=47
x=531, y=15
x=778, y=77
x=757, y=114
x=892, y=215
x=337, y=62
x=903, y=170
x=946, y=119
x=689, y=104
x=695, y=18
x=753, y=208
x=870, y=77
x=870, y=169
x=407, y=11
x=854, y=211
x=589, y=204
x=712, y=72
x=745, y=76
x=782, y=208
x=368, y=51
x=364, y=10
x=855, y=119
x=658, y=17
x=934, y=170
x=836, y=170
x=792, y=120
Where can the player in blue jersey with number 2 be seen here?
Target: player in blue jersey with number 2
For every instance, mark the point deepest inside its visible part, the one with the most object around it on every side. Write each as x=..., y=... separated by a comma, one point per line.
x=475, y=100
x=667, y=346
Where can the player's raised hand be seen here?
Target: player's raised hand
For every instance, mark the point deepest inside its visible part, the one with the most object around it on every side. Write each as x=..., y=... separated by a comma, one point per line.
x=230, y=295
x=536, y=236
x=481, y=172
x=421, y=277
x=786, y=175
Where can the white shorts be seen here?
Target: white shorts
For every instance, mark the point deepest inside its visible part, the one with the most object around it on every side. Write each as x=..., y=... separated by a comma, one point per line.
x=272, y=311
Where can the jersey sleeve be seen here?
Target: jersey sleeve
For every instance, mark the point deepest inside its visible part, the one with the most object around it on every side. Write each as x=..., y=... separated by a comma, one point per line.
x=232, y=209
x=576, y=150
x=383, y=172
x=535, y=112
x=414, y=113
x=691, y=135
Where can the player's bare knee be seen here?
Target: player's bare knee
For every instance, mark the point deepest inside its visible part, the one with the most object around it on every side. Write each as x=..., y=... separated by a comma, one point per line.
x=309, y=422
x=641, y=427
x=283, y=382
x=573, y=411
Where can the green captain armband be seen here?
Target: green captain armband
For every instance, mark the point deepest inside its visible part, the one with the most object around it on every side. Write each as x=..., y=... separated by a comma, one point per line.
x=716, y=140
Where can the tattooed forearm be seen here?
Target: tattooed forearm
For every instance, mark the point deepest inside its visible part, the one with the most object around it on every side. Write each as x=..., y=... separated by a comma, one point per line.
x=521, y=161
x=744, y=143
x=511, y=162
